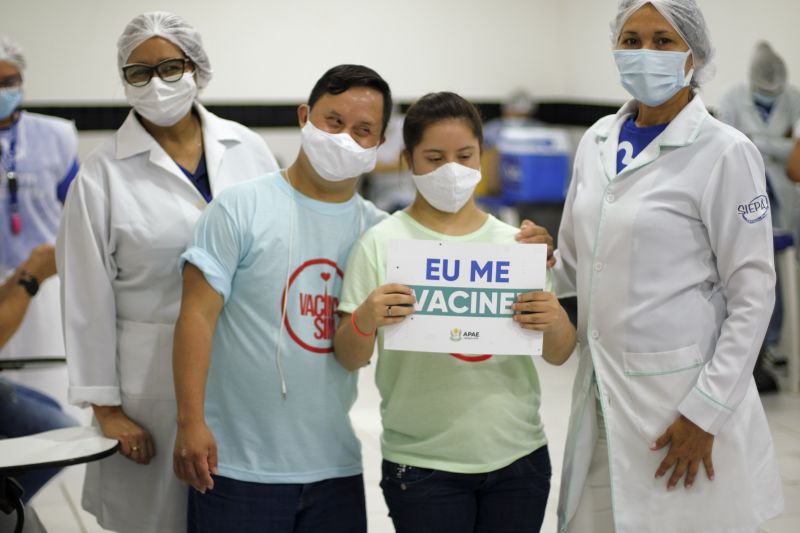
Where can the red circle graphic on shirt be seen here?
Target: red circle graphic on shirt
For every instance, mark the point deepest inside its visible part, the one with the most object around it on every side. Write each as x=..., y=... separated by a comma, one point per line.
x=325, y=275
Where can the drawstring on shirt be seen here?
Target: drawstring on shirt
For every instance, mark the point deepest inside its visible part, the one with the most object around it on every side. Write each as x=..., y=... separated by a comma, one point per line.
x=278, y=354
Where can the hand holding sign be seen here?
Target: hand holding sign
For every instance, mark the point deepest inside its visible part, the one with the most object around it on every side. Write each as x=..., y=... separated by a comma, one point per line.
x=386, y=305
x=465, y=297
x=530, y=233
x=539, y=311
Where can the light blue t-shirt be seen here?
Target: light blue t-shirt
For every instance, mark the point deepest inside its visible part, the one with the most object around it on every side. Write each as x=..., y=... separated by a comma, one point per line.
x=242, y=243
x=45, y=160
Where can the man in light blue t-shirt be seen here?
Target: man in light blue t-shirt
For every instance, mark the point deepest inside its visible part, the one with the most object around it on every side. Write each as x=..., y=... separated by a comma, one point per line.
x=264, y=434
x=272, y=447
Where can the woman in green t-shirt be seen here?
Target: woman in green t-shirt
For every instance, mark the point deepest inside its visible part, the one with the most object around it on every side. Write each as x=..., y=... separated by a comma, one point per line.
x=463, y=445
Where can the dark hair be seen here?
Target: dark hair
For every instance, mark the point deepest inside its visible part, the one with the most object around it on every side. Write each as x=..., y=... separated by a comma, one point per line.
x=434, y=107
x=342, y=77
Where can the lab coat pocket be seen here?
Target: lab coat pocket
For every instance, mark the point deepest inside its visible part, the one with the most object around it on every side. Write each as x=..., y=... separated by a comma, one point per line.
x=145, y=359
x=656, y=384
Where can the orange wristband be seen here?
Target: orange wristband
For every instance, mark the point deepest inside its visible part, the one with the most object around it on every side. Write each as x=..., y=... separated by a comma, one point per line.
x=355, y=327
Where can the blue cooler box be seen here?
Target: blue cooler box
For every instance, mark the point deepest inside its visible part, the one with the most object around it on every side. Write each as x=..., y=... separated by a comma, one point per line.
x=534, y=164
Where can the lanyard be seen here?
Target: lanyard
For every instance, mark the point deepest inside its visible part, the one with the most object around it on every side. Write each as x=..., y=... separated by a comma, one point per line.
x=13, y=185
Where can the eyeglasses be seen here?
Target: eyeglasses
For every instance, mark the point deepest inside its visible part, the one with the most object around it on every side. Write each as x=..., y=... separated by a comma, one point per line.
x=169, y=70
x=10, y=81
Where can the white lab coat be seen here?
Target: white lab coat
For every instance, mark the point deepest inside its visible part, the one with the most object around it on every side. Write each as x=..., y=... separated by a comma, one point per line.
x=774, y=140
x=128, y=217
x=675, y=290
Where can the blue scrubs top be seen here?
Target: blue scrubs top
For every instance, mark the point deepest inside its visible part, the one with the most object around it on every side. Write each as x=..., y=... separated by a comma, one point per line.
x=199, y=178
x=764, y=110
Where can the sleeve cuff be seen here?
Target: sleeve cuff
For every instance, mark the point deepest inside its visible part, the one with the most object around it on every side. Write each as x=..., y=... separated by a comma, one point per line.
x=214, y=273
x=85, y=396
x=702, y=409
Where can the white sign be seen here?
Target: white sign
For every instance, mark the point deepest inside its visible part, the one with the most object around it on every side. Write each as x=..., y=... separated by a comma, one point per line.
x=464, y=295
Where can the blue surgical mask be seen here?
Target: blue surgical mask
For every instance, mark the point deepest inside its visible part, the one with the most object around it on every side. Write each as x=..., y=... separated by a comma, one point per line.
x=10, y=98
x=652, y=76
x=766, y=100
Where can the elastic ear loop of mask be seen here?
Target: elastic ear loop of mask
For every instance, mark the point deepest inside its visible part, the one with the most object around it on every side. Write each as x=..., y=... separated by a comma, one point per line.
x=278, y=359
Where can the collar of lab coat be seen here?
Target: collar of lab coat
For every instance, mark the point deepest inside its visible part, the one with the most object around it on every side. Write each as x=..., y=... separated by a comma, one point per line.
x=682, y=131
x=133, y=139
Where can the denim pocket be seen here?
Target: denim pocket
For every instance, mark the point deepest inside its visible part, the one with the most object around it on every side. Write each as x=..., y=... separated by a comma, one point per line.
x=537, y=463
x=404, y=476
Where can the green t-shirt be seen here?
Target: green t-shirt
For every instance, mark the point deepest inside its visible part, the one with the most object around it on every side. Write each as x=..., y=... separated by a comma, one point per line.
x=457, y=413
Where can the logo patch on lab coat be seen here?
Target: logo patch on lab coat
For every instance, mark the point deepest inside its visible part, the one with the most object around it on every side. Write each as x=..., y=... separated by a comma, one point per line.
x=755, y=210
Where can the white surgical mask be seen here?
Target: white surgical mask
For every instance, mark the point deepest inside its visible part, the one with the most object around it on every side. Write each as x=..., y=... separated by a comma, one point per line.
x=448, y=187
x=652, y=76
x=336, y=156
x=163, y=103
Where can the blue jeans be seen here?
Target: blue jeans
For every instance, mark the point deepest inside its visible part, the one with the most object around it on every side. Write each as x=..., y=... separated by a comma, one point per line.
x=25, y=411
x=511, y=499
x=330, y=506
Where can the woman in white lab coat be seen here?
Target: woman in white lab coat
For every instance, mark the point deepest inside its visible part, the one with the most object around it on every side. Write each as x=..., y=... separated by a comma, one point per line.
x=666, y=240
x=128, y=217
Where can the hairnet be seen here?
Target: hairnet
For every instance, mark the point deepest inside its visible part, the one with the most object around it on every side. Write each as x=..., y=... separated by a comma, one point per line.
x=767, y=70
x=687, y=19
x=11, y=52
x=519, y=102
x=172, y=28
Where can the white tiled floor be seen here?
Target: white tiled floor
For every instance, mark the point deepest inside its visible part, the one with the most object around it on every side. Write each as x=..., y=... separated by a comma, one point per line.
x=58, y=504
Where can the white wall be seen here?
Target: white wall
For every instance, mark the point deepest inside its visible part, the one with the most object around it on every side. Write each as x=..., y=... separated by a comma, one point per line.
x=736, y=25
x=274, y=50
x=268, y=50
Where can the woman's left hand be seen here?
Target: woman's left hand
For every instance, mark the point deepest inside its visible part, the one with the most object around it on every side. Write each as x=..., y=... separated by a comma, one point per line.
x=689, y=446
x=539, y=311
x=530, y=233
